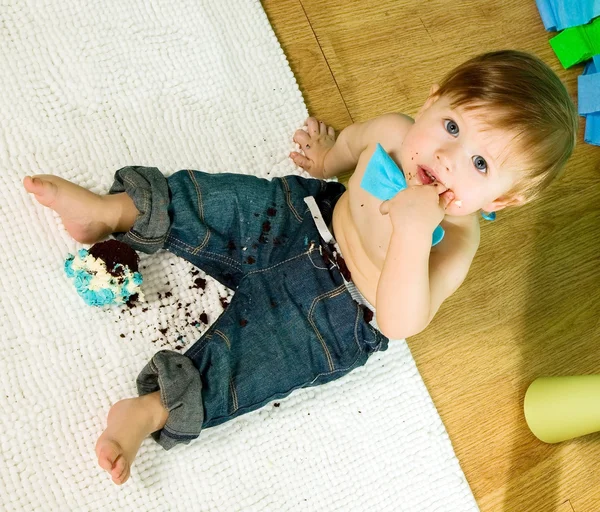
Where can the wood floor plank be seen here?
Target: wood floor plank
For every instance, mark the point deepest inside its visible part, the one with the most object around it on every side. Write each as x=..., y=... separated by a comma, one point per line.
x=531, y=303
x=307, y=61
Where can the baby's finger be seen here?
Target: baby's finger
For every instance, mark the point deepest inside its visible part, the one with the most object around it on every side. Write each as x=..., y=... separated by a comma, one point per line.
x=301, y=160
x=440, y=188
x=313, y=126
x=446, y=199
x=331, y=131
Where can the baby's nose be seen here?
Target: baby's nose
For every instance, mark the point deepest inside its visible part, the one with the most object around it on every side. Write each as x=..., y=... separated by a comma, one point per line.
x=444, y=162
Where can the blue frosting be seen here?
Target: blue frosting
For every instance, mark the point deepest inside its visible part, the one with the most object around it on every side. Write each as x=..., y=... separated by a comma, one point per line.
x=384, y=179
x=82, y=278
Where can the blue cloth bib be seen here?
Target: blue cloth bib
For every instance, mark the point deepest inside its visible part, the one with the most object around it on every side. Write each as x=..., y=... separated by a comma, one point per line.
x=384, y=179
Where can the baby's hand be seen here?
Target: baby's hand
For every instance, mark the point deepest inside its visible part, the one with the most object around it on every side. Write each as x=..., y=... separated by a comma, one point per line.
x=422, y=206
x=314, y=143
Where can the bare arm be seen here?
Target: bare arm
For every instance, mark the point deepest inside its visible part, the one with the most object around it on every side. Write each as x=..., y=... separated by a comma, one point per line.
x=325, y=157
x=415, y=281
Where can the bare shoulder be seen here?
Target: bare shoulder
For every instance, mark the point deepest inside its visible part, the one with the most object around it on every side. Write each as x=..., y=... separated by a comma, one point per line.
x=388, y=130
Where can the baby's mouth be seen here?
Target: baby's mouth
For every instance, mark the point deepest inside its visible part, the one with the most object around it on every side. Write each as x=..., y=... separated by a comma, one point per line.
x=426, y=175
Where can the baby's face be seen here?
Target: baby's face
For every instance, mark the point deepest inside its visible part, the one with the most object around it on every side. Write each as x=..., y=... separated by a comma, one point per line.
x=458, y=149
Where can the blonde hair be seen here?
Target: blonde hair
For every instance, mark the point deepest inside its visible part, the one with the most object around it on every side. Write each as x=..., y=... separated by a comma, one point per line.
x=525, y=98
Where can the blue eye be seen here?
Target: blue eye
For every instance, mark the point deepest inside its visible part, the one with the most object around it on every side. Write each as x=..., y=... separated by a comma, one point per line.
x=451, y=127
x=480, y=164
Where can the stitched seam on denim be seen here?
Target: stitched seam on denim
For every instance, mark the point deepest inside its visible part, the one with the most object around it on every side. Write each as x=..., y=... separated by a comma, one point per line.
x=307, y=253
x=225, y=338
x=208, y=255
x=205, y=339
x=160, y=385
x=144, y=241
x=315, y=265
x=232, y=390
x=356, y=322
x=286, y=393
x=332, y=293
x=143, y=196
x=173, y=434
x=200, y=213
x=233, y=396
x=288, y=199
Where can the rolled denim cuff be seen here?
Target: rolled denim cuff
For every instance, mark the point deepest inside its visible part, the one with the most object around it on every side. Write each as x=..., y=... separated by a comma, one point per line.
x=178, y=381
x=149, y=191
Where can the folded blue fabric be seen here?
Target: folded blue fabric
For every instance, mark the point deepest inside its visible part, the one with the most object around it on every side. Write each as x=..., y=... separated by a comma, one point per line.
x=589, y=100
x=384, y=179
x=592, y=129
x=588, y=93
x=560, y=14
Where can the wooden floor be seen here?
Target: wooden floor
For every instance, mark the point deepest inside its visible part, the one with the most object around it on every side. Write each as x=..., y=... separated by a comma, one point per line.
x=531, y=303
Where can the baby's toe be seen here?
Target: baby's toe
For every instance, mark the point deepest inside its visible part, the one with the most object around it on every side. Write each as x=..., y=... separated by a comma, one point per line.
x=44, y=190
x=108, y=452
x=120, y=471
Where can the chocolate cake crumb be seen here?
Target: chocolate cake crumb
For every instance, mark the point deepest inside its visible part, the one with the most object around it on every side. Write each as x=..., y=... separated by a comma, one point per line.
x=266, y=227
x=271, y=212
x=132, y=300
x=204, y=318
x=113, y=252
x=367, y=314
x=224, y=302
x=243, y=322
x=200, y=283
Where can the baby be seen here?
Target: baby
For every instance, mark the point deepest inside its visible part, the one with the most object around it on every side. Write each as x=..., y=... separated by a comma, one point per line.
x=311, y=261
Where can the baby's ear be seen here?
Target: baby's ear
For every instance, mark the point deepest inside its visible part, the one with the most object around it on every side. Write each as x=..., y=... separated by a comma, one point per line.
x=504, y=201
x=430, y=100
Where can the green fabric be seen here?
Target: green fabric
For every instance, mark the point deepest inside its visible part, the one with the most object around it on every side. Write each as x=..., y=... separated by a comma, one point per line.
x=576, y=44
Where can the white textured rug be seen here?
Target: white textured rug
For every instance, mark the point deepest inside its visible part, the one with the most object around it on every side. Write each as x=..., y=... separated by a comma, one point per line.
x=87, y=88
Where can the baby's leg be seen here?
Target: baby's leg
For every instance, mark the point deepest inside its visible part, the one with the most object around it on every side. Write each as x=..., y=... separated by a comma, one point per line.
x=88, y=217
x=130, y=421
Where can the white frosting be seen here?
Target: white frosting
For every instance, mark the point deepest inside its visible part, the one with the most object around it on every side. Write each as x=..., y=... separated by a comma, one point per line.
x=102, y=279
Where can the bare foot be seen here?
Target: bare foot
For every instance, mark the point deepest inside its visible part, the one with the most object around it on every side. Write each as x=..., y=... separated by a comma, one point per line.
x=130, y=421
x=87, y=217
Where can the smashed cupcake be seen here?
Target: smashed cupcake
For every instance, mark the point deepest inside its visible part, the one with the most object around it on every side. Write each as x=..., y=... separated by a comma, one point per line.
x=106, y=274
